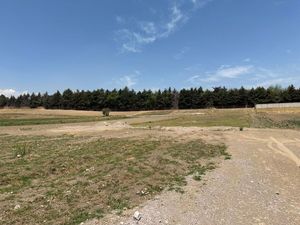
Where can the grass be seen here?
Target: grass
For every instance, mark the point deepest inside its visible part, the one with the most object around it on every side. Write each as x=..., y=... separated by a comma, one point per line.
x=273, y=119
x=53, y=120
x=68, y=180
x=234, y=118
x=240, y=118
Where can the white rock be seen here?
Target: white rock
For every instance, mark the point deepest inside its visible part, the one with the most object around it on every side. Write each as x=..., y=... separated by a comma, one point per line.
x=17, y=207
x=137, y=216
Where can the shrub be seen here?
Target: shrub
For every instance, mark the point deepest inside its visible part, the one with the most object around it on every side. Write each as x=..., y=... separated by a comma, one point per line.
x=106, y=111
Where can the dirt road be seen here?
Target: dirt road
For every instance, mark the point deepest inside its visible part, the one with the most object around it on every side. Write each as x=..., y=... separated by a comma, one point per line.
x=259, y=185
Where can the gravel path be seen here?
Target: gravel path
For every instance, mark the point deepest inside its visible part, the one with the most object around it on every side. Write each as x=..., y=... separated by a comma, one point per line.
x=259, y=185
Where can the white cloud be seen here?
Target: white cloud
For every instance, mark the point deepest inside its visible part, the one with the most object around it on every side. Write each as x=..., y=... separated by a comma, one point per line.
x=176, y=17
x=147, y=32
x=11, y=92
x=129, y=80
x=148, y=27
x=248, y=76
x=232, y=72
x=223, y=72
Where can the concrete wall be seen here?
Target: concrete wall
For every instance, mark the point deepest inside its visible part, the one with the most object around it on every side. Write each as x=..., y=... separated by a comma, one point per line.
x=278, y=105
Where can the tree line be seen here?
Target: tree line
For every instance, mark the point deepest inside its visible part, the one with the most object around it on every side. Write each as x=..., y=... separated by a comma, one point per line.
x=126, y=99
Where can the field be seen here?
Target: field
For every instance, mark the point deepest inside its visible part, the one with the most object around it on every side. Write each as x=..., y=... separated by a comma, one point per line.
x=66, y=167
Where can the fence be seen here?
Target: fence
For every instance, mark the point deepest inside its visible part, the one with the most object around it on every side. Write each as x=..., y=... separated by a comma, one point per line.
x=278, y=105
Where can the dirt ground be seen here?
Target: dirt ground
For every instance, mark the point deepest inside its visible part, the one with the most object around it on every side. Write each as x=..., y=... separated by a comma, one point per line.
x=259, y=185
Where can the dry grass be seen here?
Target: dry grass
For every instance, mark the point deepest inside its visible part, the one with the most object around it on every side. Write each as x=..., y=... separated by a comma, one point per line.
x=20, y=117
x=266, y=118
x=67, y=180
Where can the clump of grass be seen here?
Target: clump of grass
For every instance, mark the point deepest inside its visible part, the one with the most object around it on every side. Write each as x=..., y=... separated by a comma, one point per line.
x=226, y=155
x=20, y=150
x=118, y=204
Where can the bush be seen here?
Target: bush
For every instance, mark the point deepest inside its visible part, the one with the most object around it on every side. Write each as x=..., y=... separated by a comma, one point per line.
x=105, y=111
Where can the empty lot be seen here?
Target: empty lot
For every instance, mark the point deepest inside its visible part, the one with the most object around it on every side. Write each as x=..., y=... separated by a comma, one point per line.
x=170, y=165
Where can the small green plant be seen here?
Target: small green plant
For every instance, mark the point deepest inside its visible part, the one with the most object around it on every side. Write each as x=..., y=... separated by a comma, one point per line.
x=20, y=150
x=227, y=157
x=106, y=111
x=225, y=153
x=118, y=203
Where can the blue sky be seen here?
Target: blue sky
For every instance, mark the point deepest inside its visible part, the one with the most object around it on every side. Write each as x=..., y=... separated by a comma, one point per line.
x=88, y=44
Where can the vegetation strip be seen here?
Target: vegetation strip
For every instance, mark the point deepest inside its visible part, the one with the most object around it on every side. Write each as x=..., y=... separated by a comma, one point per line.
x=53, y=120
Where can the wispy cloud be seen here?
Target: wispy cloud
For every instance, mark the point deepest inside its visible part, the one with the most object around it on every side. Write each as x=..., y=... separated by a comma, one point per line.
x=181, y=53
x=128, y=80
x=200, y=3
x=223, y=72
x=11, y=92
x=147, y=32
x=266, y=77
x=120, y=20
x=247, y=75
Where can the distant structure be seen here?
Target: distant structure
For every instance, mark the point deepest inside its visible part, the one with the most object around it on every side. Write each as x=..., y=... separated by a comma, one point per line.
x=278, y=105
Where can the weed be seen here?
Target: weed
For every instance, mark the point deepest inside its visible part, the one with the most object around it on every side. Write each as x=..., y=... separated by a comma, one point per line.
x=227, y=157
x=118, y=203
x=20, y=150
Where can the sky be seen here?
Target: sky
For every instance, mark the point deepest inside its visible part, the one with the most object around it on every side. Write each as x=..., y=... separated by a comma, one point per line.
x=147, y=44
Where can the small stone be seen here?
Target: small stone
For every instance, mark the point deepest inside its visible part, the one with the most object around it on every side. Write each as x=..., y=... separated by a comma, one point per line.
x=137, y=216
x=18, y=156
x=17, y=207
x=121, y=223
